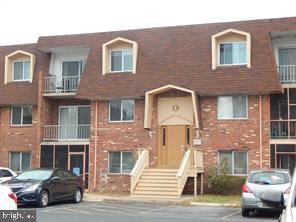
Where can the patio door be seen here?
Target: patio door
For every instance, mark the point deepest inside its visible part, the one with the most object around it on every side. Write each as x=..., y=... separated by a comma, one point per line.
x=71, y=70
x=68, y=123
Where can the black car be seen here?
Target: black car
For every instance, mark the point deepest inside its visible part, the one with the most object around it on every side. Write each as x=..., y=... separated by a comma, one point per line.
x=46, y=185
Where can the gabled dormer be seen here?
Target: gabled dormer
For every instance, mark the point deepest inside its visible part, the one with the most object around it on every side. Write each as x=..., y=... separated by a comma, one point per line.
x=119, y=56
x=19, y=66
x=231, y=47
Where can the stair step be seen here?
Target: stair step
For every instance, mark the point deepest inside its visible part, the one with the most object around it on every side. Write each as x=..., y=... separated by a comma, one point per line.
x=156, y=189
x=158, y=181
x=158, y=177
x=160, y=170
x=157, y=197
x=159, y=173
x=153, y=184
x=154, y=192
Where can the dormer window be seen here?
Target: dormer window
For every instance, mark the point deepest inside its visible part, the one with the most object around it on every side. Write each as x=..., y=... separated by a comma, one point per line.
x=19, y=66
x=231, y=47
x=121, y=60
x=233, y=53
x=21, y=71
x=119, y=55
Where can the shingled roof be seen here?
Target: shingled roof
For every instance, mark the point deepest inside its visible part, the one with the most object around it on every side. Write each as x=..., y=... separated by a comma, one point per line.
x=179, y=55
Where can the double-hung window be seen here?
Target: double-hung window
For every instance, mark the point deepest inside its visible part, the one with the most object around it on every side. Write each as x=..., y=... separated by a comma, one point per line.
x=20, y=161
x=232, y=107
x=121, y=110
x=21, y=71
x=122, y=60
x=236, y=161
x=120, y=162
x=233, y=53
x=21, y=115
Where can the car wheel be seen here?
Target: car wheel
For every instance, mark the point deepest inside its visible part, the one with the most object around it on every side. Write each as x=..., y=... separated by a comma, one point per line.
x=43, y=199
x=245, y=212
x=77, y=196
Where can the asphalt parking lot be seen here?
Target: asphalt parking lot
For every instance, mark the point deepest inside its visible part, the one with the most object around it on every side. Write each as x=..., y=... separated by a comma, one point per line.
x=141, y=211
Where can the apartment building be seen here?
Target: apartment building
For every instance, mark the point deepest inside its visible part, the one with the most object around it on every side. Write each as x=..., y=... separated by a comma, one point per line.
x=144, y=110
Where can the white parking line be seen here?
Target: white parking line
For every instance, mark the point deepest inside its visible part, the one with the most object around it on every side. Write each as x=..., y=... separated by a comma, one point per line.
x=231, y=214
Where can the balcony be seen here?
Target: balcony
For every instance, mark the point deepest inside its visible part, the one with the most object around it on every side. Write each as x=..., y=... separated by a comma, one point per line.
x=61, y=85
x=66, y=132
x=283, y=129
x=287, y=73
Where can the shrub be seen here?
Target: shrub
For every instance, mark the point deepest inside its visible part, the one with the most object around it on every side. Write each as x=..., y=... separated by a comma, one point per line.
x=221, y=183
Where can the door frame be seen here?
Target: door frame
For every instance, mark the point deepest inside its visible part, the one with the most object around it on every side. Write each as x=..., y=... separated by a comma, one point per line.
x=69, y=162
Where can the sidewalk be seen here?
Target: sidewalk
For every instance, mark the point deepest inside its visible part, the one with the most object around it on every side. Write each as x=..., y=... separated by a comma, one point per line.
x=97, y=197
x=184, y=200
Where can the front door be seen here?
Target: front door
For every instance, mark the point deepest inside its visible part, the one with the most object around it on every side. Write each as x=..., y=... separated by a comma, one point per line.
x=76, y=164
x=172, y=141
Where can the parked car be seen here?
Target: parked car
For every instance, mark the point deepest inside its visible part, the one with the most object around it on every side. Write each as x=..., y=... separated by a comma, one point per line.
x=46, y=185
x=6, y=174
x=8, y=199
x=260, y=181
x=276, y=200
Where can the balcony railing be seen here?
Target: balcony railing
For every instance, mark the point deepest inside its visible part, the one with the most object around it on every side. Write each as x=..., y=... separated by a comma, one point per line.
x=287, y=73
x=283, y=129
x=61, y=84
x=66, y=132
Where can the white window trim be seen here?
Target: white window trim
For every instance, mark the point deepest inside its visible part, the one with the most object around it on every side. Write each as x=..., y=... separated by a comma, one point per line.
x=21, y=80
x=232, y=160
x=234, y=118
x=126, y=151
x=21, y=158
x=122, y=121
x=22, y=116
x=122, y=60
x=233, y=64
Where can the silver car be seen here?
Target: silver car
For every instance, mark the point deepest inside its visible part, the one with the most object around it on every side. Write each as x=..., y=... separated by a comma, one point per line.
x=260, y=181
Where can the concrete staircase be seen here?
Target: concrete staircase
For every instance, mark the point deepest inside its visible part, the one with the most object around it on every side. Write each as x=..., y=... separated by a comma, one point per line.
x=157, y=183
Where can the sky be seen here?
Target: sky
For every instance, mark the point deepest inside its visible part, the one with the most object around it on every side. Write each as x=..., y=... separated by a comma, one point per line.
x=23, y=21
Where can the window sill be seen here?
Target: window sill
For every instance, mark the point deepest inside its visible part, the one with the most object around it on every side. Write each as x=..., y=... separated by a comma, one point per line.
x=120, y=72
x=132, y=121
x=21, y=126
x=231, y=66
x=235, y=119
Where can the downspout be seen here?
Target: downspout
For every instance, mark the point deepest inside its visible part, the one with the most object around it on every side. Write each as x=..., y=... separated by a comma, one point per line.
x=260, y=134
x=96, y=145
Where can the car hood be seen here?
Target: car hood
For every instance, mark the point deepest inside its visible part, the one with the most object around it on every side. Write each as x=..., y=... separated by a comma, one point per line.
x=259, y=189
x=18, y=185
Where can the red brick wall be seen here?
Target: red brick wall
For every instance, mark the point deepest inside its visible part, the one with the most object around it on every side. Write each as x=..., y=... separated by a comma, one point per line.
x=117, y=137
x=215, y=135
x=235, y=134
x=18, y=138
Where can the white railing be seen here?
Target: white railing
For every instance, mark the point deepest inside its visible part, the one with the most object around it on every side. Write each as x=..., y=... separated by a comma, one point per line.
x=287, y=73
x=66, y=132
x=192, y=161
x=141, y=164
x=61, y=84
x=183, y=171
x=282, y=129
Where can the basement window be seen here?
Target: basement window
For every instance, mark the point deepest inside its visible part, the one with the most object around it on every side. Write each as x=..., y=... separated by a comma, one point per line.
x=236, y=162
x=120, y=162
x=20, y=161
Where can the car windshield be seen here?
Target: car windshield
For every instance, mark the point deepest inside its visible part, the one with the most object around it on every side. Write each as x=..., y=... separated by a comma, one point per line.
x=269, y=178
x=34, y=175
